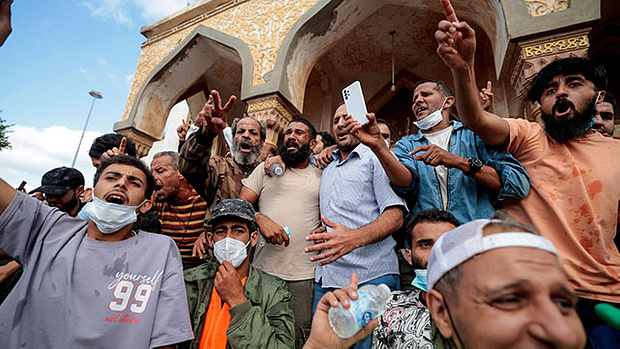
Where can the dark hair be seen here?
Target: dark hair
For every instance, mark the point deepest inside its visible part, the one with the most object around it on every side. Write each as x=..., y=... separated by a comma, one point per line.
x=439, y=86
x=383, y=121
x=173, y=155
x=108, y=141
x=263, y=130
x=432, y=215
x=327, y=138
x=148, y=222
x=591, y=70
x=307, y=123
x=131, y=161
x=611, y=99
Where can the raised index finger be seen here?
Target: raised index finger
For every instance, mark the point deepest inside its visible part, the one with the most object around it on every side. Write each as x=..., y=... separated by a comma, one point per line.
x=122, y=146
x=448, y=10
x=489, y=86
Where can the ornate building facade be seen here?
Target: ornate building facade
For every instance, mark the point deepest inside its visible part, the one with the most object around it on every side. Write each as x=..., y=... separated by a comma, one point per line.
x=286, y=58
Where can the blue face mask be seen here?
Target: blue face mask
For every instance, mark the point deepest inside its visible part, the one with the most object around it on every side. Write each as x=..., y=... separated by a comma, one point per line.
x=109, y=217
x=420, y=279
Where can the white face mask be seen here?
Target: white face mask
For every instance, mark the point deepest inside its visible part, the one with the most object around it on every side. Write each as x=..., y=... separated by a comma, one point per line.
x=431, y=120
x=233, y=250
x=109, y=217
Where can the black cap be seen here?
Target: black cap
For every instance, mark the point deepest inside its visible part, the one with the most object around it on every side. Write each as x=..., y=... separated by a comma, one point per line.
x=59, y=180
x=235, y=208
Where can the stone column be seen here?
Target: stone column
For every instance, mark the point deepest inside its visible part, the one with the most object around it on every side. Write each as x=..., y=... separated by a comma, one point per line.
x=143, y=141
x=274, y=111
x=530, y=56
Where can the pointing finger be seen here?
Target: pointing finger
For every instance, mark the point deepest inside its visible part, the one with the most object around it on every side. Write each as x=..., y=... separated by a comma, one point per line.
x=121, y=148
x=448, y=10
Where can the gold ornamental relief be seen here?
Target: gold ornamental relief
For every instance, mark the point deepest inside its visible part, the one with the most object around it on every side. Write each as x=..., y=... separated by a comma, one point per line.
x=537, y=8
x=262, y=24
x=557, y=46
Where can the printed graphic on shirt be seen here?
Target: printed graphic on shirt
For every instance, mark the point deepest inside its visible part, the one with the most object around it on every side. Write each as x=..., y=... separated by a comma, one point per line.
x=130, y=296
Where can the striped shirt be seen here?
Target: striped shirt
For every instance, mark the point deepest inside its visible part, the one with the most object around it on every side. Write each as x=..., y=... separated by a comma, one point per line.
x=355, y=192
x=183, y=222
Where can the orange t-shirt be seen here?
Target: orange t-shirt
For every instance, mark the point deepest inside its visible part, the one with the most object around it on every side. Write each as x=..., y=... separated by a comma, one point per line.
x=573, y=202
x=217, y=320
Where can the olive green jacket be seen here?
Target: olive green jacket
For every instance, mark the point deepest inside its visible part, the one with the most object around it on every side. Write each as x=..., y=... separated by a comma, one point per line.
x=264, y=321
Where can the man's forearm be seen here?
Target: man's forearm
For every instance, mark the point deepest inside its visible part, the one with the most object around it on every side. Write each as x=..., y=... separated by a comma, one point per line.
x=194, y=162
x=492, y=129
x=397, y=173
x=388, y=222
x=487, y=176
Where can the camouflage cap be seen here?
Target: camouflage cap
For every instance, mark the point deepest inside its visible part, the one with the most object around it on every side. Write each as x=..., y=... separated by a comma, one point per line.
x=57, y=181
x=235, y=208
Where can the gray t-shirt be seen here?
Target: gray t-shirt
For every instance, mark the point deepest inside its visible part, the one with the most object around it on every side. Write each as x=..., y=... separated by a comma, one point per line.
x=77, y=292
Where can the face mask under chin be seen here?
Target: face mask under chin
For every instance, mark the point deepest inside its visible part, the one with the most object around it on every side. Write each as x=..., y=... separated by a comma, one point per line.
x=109, y=217
x=431, y=120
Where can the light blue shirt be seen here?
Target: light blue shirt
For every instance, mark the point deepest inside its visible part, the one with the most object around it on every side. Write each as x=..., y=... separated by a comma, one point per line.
x=354, y=193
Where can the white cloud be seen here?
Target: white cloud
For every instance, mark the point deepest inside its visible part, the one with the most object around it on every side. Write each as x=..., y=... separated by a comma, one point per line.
x=119, y=11
x=111, y=10
x=158, y=9
x=36, y=151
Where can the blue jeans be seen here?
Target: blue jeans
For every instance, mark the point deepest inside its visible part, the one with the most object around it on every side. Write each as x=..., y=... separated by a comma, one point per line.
x=391, y=280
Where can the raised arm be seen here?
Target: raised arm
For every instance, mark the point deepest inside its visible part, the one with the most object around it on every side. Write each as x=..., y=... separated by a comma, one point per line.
x=370, y=135
x=195, y=155
x=457, y=47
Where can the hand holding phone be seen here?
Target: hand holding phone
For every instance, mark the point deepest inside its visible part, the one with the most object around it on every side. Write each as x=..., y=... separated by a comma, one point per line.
x=354, y=102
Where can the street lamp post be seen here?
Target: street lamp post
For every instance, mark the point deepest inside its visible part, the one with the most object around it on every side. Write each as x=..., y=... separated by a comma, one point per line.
x=96, y=95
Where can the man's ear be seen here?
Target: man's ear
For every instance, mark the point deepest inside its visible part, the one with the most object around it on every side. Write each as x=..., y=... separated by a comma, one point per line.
x=449, y=102
x=408, y=255
x=313, y=144
x=145, y=207
x=600, y=96
x=439, y=313
x=254, y=238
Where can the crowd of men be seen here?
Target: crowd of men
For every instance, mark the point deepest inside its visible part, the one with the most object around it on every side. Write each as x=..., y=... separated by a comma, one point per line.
x=205, y=251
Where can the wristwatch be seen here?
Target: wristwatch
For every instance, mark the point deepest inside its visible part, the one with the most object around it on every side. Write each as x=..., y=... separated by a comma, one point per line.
x=475, y=165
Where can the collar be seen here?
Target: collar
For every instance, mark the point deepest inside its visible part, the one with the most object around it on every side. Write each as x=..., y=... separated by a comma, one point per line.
x=456, y=125
x=360, y=151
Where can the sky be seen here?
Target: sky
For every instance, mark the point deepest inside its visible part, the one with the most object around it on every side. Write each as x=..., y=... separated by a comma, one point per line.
x=57, y=53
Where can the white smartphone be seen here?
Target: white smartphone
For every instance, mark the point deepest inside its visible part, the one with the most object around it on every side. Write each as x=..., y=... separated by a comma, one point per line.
x=354, y=102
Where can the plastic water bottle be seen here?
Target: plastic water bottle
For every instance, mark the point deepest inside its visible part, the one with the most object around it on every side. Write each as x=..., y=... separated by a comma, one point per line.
x=276, y=169
x=371, y=303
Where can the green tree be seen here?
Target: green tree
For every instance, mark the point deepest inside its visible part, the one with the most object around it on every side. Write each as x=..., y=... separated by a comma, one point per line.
x=4, y=137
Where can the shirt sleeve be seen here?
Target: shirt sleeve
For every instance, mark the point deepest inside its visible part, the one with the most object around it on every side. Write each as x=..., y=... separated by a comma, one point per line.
x=23, y=222
x=172, y=324
x=254, y=181
x=386, y=197
x=514, y=178
x=401, y=151
x=524, y=137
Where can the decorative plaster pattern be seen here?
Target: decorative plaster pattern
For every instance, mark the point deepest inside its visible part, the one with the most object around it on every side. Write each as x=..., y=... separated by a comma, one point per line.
x=556, y=46
x=273, y=112
x=538, y=8
x=262, y=24
x=534, y=55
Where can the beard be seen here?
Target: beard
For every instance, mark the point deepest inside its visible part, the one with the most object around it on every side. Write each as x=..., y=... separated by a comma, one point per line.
x=292, y=158
x=564, y=130
x=246, y=159
x=417, y=263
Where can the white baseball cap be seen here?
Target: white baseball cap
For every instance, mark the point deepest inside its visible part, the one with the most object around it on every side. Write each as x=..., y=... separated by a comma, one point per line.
x=460, y=244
